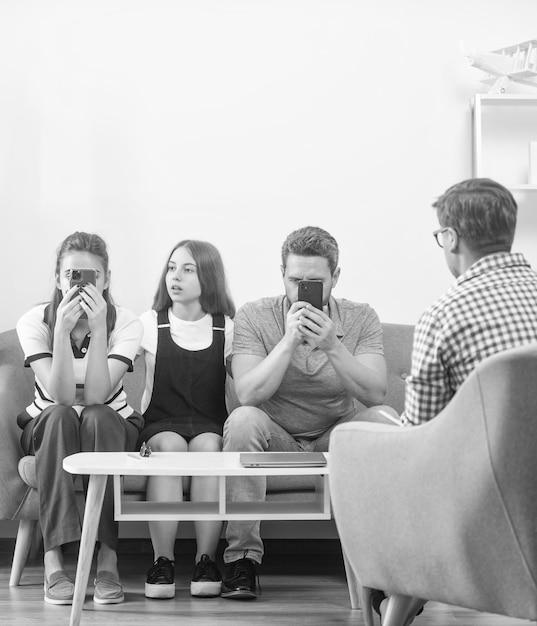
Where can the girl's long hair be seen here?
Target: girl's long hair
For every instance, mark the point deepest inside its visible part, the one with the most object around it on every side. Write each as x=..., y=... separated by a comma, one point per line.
x=81, y=242
x=215, y=298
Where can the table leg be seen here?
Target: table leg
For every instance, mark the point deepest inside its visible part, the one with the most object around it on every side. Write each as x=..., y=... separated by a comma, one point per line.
x=92, y=515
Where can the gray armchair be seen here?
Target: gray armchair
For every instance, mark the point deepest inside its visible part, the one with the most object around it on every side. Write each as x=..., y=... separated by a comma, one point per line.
x=446, y=511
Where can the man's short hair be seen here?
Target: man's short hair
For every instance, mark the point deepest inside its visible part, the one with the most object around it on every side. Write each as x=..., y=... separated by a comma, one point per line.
x=311, y=241
x=482, y=211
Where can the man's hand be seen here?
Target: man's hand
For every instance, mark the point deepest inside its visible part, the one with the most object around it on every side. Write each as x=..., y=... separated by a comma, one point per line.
x=316, y=327
x=294, y=321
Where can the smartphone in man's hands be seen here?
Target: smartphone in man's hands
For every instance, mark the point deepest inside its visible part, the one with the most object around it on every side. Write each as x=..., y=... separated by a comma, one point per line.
x=82, y=277
x=311, y=291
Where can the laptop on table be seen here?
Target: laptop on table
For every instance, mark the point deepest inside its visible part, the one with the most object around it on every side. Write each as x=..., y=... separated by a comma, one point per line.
x=282, y=459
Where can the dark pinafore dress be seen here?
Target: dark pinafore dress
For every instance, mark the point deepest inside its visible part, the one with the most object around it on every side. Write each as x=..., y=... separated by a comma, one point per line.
x=189, y=385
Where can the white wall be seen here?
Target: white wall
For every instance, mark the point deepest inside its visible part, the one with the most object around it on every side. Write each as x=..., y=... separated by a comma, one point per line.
x=149, y=121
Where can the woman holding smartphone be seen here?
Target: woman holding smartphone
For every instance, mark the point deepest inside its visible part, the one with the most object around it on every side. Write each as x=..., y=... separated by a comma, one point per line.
x=187, y=339
x=79, y=345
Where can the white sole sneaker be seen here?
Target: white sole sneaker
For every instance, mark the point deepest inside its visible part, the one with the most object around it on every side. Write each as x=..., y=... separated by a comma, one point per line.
x=205, y=589
x=160, y=591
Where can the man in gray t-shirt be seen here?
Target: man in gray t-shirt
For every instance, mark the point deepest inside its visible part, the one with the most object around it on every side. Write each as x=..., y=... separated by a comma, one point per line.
x=298, y=371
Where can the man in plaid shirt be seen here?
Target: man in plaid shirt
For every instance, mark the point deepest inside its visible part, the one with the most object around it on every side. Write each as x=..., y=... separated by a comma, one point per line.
x=492, y=306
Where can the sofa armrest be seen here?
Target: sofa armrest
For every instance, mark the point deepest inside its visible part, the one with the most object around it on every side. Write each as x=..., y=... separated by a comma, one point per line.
x=15, y=393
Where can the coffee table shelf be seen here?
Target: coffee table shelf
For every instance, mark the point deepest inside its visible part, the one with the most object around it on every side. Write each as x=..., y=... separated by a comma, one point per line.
x=153, y=511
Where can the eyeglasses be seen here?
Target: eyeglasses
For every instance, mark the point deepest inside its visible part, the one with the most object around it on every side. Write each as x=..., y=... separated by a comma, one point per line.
x=438, y=232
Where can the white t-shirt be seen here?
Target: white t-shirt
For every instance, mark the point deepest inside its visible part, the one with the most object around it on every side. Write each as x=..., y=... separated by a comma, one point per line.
x=36, y=340
x=188, y=335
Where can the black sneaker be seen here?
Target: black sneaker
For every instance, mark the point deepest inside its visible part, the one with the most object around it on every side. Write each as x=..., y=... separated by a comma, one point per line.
x=240, y=581
x=206, y=580
x=377, y=598
x=160, y=581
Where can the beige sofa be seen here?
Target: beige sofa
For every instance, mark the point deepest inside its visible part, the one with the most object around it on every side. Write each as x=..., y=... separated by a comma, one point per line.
x=18, y=496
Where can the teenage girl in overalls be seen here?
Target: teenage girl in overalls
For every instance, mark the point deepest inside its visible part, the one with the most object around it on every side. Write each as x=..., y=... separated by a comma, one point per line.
x=187, y=339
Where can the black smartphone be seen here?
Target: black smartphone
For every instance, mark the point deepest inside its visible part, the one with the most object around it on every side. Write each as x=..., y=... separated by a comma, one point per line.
x=311, y=291
x=82, y=277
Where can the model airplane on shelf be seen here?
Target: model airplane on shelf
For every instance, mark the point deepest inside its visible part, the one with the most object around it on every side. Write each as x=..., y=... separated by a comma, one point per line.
x=516, y=63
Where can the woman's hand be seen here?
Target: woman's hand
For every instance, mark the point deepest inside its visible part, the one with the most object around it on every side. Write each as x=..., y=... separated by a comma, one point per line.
x=68, y=312
x=93, y=303
x=57, y=374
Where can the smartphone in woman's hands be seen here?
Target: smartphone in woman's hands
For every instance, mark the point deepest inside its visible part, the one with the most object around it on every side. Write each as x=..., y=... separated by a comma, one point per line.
x=82, y=277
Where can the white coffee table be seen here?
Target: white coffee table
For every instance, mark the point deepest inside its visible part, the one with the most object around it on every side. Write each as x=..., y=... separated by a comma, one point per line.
x=100, y=465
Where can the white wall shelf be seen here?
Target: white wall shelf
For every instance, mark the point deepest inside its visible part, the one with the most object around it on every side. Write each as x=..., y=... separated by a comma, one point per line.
x=503, y=126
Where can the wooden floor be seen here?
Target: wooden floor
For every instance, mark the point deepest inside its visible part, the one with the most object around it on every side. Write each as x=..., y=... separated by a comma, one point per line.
x=306, y=586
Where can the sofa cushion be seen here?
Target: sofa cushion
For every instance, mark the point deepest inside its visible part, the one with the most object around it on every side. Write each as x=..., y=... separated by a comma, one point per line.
x=27, y=471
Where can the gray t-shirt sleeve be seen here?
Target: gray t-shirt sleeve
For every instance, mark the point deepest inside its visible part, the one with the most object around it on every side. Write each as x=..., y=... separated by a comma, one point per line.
x=370, y=334
x=246, y=335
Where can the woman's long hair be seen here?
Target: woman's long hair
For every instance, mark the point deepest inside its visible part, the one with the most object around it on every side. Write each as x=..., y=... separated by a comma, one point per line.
x=81, y=242
x=215, y=298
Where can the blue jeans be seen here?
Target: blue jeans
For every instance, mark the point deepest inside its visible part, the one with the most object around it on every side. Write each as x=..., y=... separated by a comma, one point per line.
x=249, y=429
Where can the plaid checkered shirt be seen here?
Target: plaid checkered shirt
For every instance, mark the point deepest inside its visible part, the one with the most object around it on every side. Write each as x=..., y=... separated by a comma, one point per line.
x=490, y=308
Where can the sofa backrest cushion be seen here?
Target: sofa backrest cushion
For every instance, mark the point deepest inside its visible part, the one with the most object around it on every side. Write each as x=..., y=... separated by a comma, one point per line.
x=397, y=339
